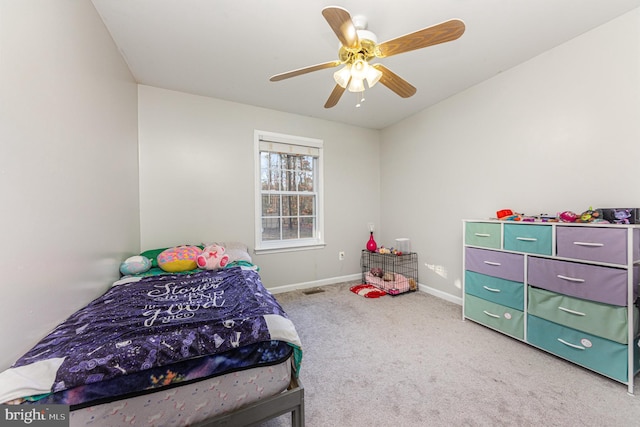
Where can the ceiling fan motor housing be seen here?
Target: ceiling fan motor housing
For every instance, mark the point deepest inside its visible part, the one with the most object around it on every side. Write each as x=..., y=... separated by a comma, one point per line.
x=365, y=49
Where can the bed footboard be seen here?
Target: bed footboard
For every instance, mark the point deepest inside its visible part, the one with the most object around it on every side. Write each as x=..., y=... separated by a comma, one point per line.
x=290, y=400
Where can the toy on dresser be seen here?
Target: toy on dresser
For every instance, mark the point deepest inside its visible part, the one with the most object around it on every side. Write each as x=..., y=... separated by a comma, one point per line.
x=591, y=215
x=622, y=215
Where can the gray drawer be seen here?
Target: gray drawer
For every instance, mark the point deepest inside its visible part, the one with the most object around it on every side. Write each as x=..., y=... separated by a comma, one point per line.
x=495, y=263
x=605, y=244
x=592, y=282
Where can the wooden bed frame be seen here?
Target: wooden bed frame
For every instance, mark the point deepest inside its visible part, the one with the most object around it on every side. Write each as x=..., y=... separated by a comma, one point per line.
x=290, y=400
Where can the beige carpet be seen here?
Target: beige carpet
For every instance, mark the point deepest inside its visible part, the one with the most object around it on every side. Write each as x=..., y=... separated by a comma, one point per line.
x=411, y=360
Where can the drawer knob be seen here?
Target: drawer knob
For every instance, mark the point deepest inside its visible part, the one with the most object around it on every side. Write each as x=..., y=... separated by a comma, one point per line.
x=491, y=289
x=492, y=263
x=527, y=239
x=482, y=234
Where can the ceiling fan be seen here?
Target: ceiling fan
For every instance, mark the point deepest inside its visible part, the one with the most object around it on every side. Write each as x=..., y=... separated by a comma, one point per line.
x=359, y=46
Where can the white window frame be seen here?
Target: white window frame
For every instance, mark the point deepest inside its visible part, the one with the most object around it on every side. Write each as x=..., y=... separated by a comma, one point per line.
x=263, y=138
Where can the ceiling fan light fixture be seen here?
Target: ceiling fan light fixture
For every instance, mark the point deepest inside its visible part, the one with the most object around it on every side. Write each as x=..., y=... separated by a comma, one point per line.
x=359, y=69
x=373, y=75
x=356, y=85
x=342, y=76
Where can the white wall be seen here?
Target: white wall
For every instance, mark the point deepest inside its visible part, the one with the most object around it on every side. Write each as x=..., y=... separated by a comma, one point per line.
x=197, y=181
x=68, y=165
x=559, y=132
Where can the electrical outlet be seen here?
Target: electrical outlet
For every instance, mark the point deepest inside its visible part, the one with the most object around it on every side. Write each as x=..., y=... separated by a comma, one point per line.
x=341, y=255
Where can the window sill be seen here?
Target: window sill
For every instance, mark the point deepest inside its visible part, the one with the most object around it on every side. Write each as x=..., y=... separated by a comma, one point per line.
x=289, y=248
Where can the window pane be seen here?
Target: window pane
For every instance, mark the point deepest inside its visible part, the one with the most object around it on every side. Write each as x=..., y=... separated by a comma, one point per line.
x=306, y=228
x=289, y=228
x=307, y=205
x=289, y=183
x=270, y=205
x=289, y=205
x=305, y=181
x=306, y=163
x=270, y=229
x=274, y=160
x=269, y=173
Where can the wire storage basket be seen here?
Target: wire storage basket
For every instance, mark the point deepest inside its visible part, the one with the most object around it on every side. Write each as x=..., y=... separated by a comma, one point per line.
x=395, y=274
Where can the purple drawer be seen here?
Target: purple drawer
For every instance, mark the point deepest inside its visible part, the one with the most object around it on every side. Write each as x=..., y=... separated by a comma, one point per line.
x=594, y=244
x=497, y=264
x=591, y=282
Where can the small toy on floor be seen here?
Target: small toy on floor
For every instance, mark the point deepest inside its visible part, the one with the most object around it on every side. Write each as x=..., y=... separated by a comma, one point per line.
x=367, y=291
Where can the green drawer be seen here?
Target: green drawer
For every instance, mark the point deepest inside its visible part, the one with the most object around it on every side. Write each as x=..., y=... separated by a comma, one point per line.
x=485, y=234
x=504, y=319
x=603, y=320
x=495, y=289
x=598, y=354
x=530, y=238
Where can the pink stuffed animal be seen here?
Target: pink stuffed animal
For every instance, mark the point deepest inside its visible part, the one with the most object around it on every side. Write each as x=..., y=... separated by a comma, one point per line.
x=212, y=258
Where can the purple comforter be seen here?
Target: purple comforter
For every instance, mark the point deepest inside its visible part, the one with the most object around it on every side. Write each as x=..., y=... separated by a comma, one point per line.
x=157, y=321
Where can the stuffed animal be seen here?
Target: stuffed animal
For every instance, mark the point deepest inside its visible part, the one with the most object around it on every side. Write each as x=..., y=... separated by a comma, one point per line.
x=135, y=265
x=567, y=216
x=179, y=258
x=591, y=215
x=376, y=272
x=212, y=257
x=622, y=216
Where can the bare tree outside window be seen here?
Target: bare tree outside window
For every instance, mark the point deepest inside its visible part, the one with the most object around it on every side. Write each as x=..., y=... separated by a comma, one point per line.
x=288, y=199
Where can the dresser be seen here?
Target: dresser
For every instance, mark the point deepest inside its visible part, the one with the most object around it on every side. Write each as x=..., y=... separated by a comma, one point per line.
x=565, y=288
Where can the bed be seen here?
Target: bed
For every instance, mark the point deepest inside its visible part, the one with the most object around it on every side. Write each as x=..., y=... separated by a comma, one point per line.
x=189, y=347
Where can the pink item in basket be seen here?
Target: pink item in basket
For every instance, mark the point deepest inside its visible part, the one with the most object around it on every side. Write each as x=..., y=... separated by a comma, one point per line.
x=400, y=283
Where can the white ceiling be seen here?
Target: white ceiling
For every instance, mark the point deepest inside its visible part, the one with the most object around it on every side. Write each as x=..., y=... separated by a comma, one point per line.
x=228, y=49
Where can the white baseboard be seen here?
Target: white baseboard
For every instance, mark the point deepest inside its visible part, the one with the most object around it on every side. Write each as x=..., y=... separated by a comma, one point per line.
x=443, y=295
x=314, y=284
x=331, y=281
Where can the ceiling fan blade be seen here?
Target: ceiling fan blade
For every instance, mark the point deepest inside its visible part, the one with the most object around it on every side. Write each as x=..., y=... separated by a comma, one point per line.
x=436, y=34
x=395, y=82
x=304, y=70
x=334, y=97
x=340, y=22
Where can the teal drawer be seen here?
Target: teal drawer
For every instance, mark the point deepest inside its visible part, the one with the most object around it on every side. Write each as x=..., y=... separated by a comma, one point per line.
x=505, y=319
x=485, y=234
x=603, y=320
x=495, y=289
x=530, y=238
x=598, y=354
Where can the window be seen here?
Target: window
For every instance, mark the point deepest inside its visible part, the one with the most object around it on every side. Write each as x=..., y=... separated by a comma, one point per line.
x=288, y=192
